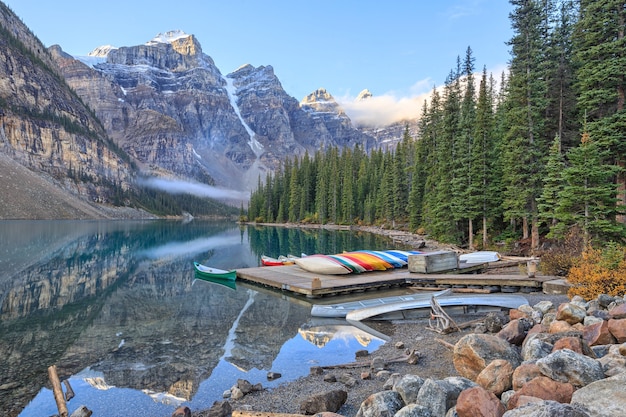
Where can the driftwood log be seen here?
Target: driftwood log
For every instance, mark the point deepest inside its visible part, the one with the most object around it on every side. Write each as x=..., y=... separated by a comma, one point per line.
x=443, y=322
x=69, y=392
x=411, y=356
x=57, y=390
x=244, y=413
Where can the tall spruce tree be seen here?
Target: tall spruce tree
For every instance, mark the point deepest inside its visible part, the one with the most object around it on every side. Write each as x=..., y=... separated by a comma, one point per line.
x=483, y=193
x=461, y=187
x=601, y=79
x=525, y=139
x=588, y=197
x=552, y=187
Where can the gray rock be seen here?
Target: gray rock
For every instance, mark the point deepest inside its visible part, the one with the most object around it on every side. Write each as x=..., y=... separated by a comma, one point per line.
x=438, y=396
x=326, y=401
x=460, y=382
x=347, y=380
x=544, y=306
x=413, y=410
x=408, y=387
x=565, y=365
x=245, y=386
x=220, y=409
x=547, y=409
x=606, y=397
x=452, y=412
x=494, y=321
x=571, y=312
x=381, y=404
x=391, y=381
x=535, y=348
x=548, y=318
x=601, y=350
x=604, y=300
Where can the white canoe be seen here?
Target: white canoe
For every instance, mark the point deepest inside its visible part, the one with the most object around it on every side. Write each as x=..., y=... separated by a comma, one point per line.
x=479, y=257
x=322, y=264
x=340, y=310
x=406, y=309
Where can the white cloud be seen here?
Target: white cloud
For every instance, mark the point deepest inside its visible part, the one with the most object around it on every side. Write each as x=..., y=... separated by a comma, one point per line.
x=389, y=107
x=173, y=186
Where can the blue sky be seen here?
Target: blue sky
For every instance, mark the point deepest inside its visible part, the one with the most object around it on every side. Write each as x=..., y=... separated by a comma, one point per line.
x=397, y=49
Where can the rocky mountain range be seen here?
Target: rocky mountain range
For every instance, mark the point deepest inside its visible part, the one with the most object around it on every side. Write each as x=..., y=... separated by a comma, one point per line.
x=92, y=125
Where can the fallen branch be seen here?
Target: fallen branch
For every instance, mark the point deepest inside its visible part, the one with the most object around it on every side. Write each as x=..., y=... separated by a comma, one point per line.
x=244, y=413
x=443, y=322
x=403, y=358
x=69, y=392
x=446, y=344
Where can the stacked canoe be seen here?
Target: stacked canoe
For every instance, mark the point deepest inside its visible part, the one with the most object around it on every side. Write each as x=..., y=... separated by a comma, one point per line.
x=355, y=262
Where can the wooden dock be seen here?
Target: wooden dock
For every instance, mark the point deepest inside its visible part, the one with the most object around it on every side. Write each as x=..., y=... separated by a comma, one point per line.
x=293, y=279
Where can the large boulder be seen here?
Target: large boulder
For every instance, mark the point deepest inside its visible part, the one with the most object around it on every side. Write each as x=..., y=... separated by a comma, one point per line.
x=617, y=327
x=408, y=387
x=413, y=410
x=438, y=395
x=567, y=366
x=473, y=352
x=381, y=404
x=571, y=313
x=477, y=401
x=515, y=331
x=546, y=409
x=524, y=373
x=606, y=397
x=544, y=388
x=327, y=401
x=496, y=377
x=598, y=334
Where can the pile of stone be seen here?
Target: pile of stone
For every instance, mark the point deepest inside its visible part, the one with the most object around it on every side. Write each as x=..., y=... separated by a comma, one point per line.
x=542, y=360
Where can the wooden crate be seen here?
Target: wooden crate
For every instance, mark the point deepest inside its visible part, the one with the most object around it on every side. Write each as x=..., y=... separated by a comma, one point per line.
x=433, y=262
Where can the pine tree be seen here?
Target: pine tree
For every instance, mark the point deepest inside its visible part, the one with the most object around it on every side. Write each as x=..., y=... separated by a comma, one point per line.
x=601, y=79
x=525, y=138
x=461, y=186
x=552, y=186
x=482, y=197
x=588, y=197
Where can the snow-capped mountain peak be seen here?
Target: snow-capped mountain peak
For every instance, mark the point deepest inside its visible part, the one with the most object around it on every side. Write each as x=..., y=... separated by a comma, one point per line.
x=168, y=37
x=101, y=51
x=364, y=95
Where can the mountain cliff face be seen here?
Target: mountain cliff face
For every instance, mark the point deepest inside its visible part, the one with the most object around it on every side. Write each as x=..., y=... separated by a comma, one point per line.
x=87, y=126
x=47, y=129
x=168, y=105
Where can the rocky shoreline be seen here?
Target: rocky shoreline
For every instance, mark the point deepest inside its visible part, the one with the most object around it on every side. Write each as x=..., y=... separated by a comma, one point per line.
x=557, y=358
x=554, y=356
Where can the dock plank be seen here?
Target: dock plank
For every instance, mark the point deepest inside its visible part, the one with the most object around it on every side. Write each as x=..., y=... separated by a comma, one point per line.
x=292, y=278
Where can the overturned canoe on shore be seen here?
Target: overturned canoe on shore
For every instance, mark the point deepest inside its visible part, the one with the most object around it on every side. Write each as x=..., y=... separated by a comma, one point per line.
x=340, y=310
x=421, y=307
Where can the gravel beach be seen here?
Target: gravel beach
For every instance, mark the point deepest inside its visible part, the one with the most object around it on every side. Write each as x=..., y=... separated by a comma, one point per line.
x=435, y=362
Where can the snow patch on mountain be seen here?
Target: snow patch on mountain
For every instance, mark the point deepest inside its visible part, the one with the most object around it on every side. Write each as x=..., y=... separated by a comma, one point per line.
x=254, y=144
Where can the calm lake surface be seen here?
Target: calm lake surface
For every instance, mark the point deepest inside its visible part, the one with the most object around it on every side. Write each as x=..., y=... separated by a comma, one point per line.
x=115, y=306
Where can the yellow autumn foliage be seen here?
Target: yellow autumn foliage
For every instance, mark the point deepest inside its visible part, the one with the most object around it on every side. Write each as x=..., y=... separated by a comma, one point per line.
x=599, y=271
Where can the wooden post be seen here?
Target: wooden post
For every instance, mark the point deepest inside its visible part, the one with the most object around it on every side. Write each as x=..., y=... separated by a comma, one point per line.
x=57, y=390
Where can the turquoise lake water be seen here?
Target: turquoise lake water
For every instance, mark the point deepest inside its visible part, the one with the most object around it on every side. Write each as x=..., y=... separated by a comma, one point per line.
x=115, y=306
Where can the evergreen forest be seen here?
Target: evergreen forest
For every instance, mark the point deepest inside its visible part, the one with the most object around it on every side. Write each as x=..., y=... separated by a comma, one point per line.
x=530, y=154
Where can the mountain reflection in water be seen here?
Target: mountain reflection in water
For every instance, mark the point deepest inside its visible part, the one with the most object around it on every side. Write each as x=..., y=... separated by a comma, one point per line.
x=116, y=307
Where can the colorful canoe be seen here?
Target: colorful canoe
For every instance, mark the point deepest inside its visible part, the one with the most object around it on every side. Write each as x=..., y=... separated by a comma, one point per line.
x=322, y=264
